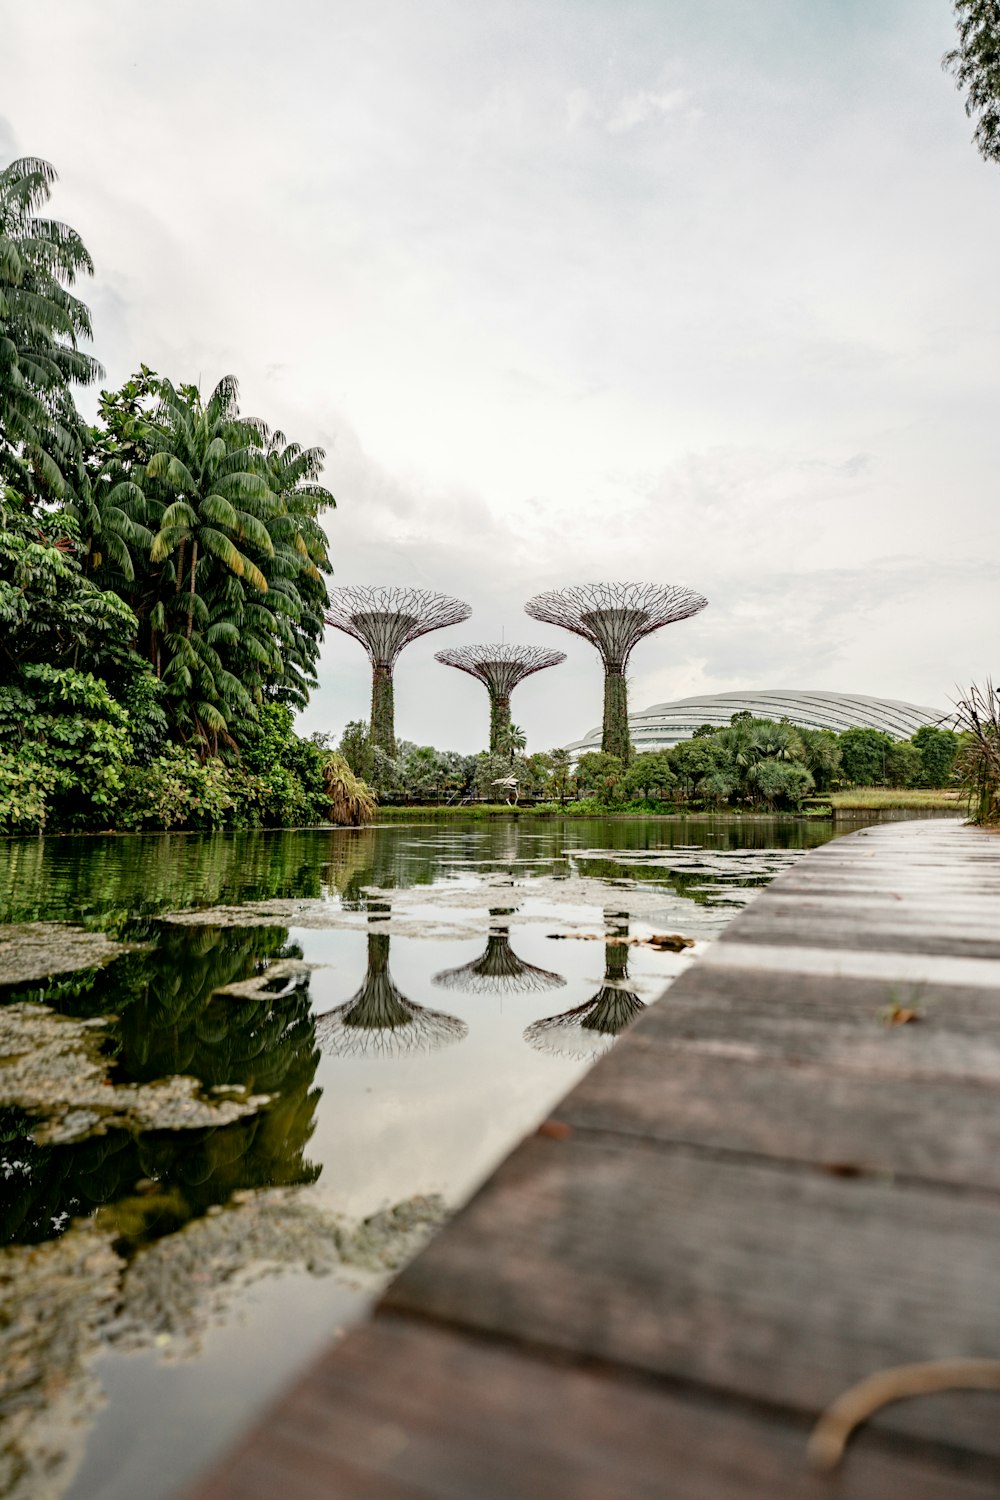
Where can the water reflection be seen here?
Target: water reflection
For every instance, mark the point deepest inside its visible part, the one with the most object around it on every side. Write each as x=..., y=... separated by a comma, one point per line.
x=589, y=1030
x=380, y=1020
x=498, y=970
x=167, y=1017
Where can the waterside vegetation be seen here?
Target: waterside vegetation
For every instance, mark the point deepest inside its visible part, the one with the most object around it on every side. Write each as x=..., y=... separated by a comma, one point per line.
x=162, y=578
x=751, y=765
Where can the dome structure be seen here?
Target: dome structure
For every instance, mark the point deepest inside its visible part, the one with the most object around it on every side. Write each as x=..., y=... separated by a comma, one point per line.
x=666, y=724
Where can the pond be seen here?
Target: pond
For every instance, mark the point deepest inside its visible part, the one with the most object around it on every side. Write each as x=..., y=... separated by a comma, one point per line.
x=244, y=1076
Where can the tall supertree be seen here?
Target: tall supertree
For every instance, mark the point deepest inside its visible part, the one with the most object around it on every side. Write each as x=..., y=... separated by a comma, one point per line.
x=501, y=667
x=385, y=620
x=614, y=617
x=380, y=1019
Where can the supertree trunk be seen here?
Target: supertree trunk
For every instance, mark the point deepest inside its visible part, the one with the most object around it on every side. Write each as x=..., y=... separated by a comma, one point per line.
x=382, y=731
x=500, y=667
x=499, y=722
x=616, y=739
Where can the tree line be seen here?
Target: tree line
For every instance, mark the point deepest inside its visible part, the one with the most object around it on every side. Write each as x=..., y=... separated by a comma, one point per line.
x=751, y=762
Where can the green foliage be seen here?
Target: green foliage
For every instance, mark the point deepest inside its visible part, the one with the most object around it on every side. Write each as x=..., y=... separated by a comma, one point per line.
x=356, y=749
x=863, y=755
x=978, y=761
x=176, y=790
x=616, y=737
x=975, y=64
x=938, y=748
x=41, y=327
x=650, y=775
x=821, y=754
x=775, y=782
x=603, y=775
x=903, y=764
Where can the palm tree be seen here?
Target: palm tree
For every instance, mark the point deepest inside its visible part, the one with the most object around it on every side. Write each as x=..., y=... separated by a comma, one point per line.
x=110, y=509
x=212, y=502
x=41, y=325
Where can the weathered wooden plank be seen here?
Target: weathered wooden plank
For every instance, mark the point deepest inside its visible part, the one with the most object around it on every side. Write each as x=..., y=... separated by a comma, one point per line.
x=802, y=1018
x=880, y=930
x=783, y=1286
x=713, y=1095
x=403, y=1409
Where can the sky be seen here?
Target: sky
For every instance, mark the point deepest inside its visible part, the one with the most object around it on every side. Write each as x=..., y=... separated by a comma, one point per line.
x=687, y=291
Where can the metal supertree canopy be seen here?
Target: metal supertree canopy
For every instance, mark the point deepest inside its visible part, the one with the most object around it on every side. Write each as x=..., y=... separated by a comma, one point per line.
x=385, y=619
x=614, y=617
x=589, y=1029
x=501, y=665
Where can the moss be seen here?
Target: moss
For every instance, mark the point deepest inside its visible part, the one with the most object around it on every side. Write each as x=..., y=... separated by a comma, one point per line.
x=53, y=1069
x=499, y=722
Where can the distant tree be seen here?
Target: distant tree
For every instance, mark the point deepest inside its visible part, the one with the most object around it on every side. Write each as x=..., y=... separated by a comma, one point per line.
x=602, y=775
x=863, y=756
x=821, y=754
x=775, y=781
x=975, y=65
x=355, y=749
x=938, y=748
x=694, y=759
x=650, y=775
x=560, y=762
x=903, y=764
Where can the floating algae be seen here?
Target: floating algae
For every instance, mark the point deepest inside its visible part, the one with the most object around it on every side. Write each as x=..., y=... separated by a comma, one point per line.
x=52, y=1067
x=35, y=950
x=180, y=1286
x=54, y=1300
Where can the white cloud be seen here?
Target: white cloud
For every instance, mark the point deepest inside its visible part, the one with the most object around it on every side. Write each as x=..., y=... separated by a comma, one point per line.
x=642, y=107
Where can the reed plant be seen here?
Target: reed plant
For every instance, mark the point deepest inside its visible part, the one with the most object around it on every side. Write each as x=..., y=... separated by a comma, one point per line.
x=977, y=764
x=352, y=800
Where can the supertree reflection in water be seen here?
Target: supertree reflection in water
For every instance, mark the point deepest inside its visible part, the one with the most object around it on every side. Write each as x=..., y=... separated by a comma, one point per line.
x=590, y=1030
x=379, y=1020
x=498, y=971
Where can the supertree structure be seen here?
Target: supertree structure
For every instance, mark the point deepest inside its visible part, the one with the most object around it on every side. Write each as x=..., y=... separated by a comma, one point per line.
x=591, y=1028
x=498, y=971
x=385, y=620
x=381, y=1020
x=501, y=666
x=614, y=617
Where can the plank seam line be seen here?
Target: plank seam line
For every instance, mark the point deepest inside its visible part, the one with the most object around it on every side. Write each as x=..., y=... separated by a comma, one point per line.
x=968, y=971
x=617, y=1139
x=707, y=1047
x=890, y=1442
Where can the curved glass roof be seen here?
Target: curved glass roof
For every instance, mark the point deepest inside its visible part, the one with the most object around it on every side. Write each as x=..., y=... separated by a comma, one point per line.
x=667, y=724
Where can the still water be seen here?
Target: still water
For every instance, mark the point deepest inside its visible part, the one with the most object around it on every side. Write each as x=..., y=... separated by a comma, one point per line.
x=369, y=1018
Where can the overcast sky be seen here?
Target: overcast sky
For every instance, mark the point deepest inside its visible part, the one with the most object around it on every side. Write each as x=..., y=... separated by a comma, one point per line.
x=696, y=291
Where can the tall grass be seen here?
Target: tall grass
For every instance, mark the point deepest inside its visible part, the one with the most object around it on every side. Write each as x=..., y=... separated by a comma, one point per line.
x=978, y=761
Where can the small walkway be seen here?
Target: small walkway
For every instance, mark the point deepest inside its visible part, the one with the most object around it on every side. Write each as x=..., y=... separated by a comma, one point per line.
x=764, y=1194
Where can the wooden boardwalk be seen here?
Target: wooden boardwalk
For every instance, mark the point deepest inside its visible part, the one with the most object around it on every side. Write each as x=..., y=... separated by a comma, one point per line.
x=764, y=1194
